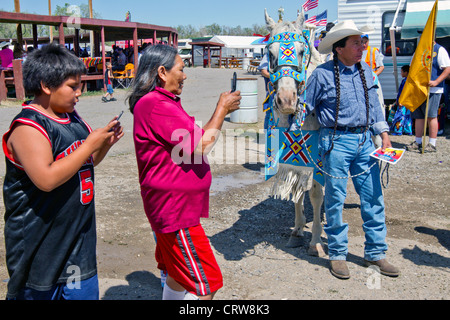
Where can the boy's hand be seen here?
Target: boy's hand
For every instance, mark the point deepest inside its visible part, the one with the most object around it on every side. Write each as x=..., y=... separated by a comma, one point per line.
x=117, y=130
x=108, y=135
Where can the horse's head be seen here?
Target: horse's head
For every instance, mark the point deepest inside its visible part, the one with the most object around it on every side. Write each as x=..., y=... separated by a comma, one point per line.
x=287, y=49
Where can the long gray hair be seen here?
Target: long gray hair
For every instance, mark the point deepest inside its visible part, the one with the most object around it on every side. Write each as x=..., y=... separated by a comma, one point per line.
x=146, y=77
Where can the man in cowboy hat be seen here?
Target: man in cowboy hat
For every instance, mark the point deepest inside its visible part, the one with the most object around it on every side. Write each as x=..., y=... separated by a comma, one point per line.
x=343, y=93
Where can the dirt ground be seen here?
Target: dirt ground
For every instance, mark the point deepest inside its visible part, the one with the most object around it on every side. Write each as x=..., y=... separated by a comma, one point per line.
x=249, y=230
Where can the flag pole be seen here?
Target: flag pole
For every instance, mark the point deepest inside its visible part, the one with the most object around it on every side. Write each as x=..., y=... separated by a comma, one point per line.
x=428, y=87
x=426, y=118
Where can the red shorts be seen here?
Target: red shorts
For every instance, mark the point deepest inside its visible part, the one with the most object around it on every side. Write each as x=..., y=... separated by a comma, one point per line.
x=187, y=257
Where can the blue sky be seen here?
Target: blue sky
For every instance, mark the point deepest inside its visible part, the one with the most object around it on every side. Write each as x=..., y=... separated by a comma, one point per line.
x=172, y=13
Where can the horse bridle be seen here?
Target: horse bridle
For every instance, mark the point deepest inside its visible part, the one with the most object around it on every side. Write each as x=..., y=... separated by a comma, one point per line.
x=288, y=62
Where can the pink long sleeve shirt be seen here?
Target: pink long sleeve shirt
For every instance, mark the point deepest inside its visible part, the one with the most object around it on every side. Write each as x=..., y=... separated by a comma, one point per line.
x=174, y=182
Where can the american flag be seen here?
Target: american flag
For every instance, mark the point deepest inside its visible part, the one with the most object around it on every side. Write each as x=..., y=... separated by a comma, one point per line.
x=311, y=20
x=321, y=19
x=310, y=4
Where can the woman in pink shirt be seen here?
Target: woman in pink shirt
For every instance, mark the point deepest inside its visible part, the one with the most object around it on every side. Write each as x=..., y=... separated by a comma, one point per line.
x=173, y=172
x=6, y=55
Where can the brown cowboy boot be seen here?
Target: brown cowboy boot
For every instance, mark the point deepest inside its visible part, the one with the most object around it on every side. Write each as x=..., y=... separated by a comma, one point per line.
x=386, y=268
x=339, y=269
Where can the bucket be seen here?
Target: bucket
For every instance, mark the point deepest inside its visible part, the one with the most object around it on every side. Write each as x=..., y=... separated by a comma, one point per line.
x=248, y=111
x=245, y=63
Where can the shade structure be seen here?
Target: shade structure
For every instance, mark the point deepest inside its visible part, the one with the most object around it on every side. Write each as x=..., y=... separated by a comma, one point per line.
x=417, y=12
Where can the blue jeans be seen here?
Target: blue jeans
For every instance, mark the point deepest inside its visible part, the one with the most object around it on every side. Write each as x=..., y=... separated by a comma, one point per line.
x=348, y=156
x=83, y=290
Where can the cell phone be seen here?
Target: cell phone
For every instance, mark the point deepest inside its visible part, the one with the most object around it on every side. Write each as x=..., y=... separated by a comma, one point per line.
x=119, y=116
x=233, y=82
x=117, y=120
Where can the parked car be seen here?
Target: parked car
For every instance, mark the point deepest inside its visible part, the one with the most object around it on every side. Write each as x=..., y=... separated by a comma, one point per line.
x=186, y=55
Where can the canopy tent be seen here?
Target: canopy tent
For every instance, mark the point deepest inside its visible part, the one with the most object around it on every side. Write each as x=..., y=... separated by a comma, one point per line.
x=238, y=42
x=417, y=12
x=239, y=45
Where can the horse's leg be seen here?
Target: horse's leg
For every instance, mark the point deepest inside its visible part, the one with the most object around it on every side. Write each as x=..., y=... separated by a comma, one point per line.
x=295, y=240
x=316, y=198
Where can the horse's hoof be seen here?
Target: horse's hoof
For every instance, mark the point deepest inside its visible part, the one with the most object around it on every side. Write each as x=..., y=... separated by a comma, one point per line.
x=294, y=242
x=316, y=250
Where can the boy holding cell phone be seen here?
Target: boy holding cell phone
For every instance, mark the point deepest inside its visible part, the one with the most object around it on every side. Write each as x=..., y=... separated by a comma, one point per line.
x=48, y=190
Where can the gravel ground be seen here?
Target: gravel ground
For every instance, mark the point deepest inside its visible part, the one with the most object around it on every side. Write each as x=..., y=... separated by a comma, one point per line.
x=249, y=230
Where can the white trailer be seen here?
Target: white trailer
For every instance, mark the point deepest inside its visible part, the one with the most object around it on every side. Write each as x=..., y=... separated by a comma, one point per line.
x=387, y=18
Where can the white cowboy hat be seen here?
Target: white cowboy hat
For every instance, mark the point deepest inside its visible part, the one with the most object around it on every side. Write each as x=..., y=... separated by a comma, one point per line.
x=341, y=30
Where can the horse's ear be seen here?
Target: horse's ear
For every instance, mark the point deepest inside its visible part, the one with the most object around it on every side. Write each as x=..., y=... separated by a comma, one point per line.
x=269, y=21
x=300, y=20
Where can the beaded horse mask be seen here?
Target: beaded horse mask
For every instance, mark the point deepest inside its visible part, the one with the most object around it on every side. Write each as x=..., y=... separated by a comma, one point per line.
x=288, y=64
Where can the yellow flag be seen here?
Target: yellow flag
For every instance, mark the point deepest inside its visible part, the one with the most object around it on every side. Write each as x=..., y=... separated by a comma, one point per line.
x=415, y=90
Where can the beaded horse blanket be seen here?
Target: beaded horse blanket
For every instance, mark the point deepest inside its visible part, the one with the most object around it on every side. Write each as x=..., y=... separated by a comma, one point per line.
x=292, y=154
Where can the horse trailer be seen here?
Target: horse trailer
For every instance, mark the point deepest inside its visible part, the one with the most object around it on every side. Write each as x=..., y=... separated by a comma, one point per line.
x=393, y=29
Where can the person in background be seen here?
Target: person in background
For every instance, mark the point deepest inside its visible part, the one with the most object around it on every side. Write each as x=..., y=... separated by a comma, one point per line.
x=18, y=52
x=6, y=55
x=439, y=72
x=264, y=69
x=108, y=82
x=402, y=123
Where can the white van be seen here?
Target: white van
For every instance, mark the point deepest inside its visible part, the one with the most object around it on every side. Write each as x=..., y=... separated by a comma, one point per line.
x=185, y=51
x=387, y=17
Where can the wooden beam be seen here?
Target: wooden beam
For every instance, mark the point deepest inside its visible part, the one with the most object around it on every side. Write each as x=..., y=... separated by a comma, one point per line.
x=61, y=34
x=102, y=35
x=135, y=47
x=3, y=89
x=35, y=36
x=18, y=79
x=76, y=42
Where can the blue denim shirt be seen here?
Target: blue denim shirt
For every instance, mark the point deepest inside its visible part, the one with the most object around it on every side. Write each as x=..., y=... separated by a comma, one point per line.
x=321, y=94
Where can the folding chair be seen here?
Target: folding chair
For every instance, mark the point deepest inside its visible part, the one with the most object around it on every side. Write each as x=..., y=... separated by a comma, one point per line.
x=121, y=78
x=129, y=72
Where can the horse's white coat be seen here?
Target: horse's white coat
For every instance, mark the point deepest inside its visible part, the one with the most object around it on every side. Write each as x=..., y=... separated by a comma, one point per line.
x=291, y=182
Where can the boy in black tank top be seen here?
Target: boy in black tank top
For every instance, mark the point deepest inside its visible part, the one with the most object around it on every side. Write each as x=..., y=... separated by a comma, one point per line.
x=50, y=234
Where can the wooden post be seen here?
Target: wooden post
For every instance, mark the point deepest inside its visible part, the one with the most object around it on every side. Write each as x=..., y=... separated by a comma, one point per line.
x=50, y=13
x=91, y=37
x=76, y=42
x=35, y=36
x=3, y=89
x=62, y=41
x=102, y=34
x=135, y=47
x=18, y=79
x=209, y=56
x=19, y=26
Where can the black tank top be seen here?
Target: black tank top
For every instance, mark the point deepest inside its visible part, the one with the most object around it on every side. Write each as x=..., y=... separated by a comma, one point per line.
x=50, y=237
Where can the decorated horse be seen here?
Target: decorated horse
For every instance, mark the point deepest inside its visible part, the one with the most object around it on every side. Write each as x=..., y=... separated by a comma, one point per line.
x=292, y=158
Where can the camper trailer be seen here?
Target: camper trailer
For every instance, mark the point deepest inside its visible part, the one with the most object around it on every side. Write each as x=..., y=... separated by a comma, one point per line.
x=185, y=51
x=396, y=24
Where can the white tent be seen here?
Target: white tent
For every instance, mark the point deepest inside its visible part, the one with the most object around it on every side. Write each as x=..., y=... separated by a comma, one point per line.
x=239, y=46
